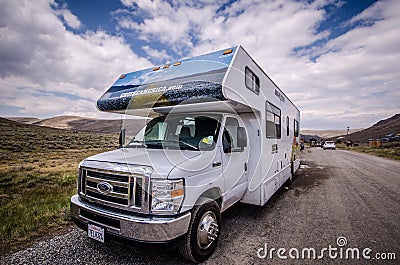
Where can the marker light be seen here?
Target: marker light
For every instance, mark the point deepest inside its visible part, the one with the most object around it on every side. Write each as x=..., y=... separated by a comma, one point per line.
x=165, y=66
x=122, y=76
x=156, y=68
x=177, y=63
x=228, y=51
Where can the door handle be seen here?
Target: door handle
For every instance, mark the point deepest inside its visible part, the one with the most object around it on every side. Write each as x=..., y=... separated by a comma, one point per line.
x=216, y=164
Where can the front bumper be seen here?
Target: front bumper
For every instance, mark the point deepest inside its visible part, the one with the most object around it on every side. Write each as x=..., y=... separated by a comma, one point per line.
x=144, y=229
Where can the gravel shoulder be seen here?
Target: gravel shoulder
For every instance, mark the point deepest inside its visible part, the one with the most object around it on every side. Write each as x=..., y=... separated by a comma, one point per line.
x=336, y=193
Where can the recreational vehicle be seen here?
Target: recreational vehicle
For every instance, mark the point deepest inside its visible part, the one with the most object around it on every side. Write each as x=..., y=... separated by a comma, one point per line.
x=219, y=131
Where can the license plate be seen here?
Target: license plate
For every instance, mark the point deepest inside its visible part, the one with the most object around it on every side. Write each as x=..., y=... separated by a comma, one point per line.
x=96, y=232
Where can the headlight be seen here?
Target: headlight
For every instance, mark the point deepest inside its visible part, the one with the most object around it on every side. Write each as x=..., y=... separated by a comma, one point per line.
x=167, y=196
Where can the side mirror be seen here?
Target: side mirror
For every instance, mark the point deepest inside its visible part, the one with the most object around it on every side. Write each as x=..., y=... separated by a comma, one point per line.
x=241, y=137
x=121, y=138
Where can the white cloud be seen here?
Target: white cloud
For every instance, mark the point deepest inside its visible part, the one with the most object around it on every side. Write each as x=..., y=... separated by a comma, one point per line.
x=70, y=19
x=157, y=55
x=173, y=25
x=351, y=80
x=370, y=14
x=47, y=70
x=357, y=84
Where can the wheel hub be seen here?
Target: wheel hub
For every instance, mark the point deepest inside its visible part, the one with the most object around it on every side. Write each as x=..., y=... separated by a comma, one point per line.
x=207, y=231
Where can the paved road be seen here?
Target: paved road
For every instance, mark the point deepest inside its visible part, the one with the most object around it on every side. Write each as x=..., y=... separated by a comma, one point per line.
x=336, y=194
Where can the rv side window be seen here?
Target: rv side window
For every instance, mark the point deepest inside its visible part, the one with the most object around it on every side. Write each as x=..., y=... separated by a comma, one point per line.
x=287, y=125
x=252, y=81
x=296, y=128
x=273, y=114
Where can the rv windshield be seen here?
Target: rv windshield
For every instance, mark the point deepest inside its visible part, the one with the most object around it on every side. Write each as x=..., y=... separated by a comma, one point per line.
x=183, y=131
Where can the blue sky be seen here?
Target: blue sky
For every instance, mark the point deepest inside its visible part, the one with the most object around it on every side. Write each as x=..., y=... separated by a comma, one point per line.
x=337, y=60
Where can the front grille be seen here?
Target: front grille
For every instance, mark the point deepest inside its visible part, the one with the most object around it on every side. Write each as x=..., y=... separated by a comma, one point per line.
x=116, y=189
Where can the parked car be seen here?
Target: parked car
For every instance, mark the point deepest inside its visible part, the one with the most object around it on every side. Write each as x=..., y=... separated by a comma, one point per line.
x=329, y=145
x=391, y=138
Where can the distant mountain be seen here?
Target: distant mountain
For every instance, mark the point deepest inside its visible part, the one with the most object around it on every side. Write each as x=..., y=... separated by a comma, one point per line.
x=307, y=137
x=75, y=123
x=378, y=130
x=327, y=133
x=26, y=120
x=60, y=122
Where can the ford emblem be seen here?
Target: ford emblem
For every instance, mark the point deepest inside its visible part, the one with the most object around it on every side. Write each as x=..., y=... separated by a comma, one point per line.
x=104, y=187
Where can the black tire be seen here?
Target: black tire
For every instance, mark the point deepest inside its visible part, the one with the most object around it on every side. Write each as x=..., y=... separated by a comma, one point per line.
x=191, y=247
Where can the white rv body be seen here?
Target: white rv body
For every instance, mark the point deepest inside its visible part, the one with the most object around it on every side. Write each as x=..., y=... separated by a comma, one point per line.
x=247, y=147
x=268, y=168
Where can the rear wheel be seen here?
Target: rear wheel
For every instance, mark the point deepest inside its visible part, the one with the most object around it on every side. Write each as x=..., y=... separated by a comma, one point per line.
x=201, y=240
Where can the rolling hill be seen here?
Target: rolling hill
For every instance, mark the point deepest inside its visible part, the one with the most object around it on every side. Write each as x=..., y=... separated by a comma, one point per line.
x=75, y=123
x=378, y=130
x=27, y=120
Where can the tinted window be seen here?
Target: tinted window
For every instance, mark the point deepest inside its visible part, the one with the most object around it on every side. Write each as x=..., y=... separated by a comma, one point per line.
x=252, y=81
x=273, y=121
x=296, y=128
x=287, y=126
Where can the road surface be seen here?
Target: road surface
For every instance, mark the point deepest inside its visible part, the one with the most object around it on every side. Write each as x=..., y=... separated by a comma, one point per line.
x=339, y=199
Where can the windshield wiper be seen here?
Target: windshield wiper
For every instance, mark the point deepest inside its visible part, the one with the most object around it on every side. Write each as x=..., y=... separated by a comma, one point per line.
x=183, y=142
x=138, y=142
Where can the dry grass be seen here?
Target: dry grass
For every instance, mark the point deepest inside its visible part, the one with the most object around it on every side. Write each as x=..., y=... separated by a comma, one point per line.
x=37, y=177
x=388, y=150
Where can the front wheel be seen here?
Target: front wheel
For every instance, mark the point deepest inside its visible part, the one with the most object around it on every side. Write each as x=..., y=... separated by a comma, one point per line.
x=201, y=240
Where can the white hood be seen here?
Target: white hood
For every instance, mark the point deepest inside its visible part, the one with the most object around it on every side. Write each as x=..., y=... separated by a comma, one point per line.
x=160, y=160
